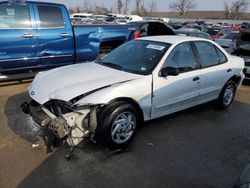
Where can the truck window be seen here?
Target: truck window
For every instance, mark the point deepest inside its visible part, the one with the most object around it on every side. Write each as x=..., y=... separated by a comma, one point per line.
x=50, y=16
x=14, y=16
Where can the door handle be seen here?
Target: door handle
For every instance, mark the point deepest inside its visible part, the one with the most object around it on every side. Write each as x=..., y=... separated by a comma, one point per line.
x=229, y=70
x=196, y=78
x=65, y=35
x=27, y=35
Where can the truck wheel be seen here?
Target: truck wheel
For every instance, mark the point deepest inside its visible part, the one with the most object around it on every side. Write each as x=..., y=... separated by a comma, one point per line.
x=227, y=95
x=117, y=125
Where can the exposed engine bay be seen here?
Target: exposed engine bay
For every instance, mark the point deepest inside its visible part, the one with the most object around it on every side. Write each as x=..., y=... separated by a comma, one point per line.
x=59, y=120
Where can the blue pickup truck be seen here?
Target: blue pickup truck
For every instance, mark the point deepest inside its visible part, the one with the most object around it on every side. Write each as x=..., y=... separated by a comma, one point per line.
x=37, y=35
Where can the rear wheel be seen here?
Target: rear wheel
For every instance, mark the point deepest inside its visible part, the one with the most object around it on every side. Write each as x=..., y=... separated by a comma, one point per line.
x=117, y=125
x=227, y=95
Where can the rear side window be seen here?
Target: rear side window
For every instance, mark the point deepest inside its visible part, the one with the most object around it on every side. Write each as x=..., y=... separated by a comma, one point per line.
x=208, y=54
x=50, y=16
x=14, y=16
x=223, y=58
x=182, y=57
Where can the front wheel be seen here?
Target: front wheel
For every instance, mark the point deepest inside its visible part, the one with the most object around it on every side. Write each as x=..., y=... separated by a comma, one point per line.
x=117, y=125
x=227, y=95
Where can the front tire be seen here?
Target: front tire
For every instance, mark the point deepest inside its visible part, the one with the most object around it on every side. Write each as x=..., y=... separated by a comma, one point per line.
x=117, y=125
x=227, y=95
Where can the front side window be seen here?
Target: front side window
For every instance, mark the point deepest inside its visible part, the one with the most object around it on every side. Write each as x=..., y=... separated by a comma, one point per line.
x=50, y=16
x=136, y=56
x=14, y=16
x=182, y=58
x=207, y=53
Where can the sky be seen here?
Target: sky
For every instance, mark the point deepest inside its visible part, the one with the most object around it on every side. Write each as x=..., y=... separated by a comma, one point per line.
x=162, y=5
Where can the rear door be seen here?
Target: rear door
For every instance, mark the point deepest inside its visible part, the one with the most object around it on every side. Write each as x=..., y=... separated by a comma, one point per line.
x=18, y=37
x=55, y=35
x=214, y=70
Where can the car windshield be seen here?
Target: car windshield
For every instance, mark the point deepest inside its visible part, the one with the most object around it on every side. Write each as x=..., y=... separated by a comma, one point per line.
x=230, y=36
x=137, y=56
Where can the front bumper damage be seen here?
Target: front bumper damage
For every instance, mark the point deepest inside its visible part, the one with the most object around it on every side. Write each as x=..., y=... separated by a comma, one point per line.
x=70, y=125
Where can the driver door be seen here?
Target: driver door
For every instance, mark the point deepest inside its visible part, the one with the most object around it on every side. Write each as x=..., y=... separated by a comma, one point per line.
x=174, y=93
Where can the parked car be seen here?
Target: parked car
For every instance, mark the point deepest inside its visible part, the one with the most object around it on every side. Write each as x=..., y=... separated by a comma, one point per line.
x=37, y=35
x=217, y=32
x=40, y=35
x=151, y=28
x=243, y=50
x=192, y=33
x=228, y=41
x=139, y=81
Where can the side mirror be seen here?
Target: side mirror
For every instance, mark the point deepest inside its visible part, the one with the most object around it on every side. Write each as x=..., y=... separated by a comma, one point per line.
x=169, y=71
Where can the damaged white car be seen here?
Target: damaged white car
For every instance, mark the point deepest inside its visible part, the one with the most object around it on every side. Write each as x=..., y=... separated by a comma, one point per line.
x=141, y=80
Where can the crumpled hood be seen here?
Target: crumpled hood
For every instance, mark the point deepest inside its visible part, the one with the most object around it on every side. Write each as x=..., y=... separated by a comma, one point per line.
x=66, y=83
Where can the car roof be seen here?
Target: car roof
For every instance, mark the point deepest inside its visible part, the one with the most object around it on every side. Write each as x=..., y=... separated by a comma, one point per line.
x=30, y=2
x=171, y=39
x=188, y=31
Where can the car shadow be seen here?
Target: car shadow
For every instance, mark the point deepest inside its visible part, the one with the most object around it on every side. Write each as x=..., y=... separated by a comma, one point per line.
x=20, y=123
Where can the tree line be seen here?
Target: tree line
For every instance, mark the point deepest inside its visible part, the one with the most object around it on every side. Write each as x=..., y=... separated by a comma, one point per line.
x=233, y=9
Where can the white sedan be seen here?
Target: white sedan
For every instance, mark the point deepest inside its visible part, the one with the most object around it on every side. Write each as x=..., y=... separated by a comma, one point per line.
x=141, y=80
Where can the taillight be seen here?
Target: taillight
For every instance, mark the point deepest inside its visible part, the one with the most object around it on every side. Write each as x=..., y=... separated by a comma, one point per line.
x=137, y=34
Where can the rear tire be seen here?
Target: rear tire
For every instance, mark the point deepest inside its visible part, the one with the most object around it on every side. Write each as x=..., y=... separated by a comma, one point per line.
x=227, y=95
x=117, y=125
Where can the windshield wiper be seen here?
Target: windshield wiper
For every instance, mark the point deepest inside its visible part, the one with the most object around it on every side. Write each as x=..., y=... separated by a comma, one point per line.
x=113, y=65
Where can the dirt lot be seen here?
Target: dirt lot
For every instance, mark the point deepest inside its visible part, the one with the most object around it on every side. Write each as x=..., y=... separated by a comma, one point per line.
x=199, y=147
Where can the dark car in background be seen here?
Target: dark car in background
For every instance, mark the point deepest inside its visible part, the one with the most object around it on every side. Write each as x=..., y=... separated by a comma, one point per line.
x=193, y=33
x=150, y=28
x=243, y=50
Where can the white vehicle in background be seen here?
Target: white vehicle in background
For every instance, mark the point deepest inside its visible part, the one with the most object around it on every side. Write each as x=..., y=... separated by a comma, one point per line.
x=139, y=81
x=134, y=18
x=82, y=16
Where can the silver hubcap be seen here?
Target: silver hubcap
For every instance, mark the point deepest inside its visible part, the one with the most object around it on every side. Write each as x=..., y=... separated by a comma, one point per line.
x=123, y=127
x=228, y=94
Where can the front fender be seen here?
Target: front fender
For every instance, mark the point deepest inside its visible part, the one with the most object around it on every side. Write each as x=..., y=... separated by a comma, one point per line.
x=139, y=90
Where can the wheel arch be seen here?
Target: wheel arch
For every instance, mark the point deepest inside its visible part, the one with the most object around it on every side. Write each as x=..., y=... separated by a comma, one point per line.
x=235, y=79
x=130, y=101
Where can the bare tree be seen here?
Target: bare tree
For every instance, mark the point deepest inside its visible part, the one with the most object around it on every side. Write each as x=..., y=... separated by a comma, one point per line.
x=140, y=8
x=119, y=6
x=101, y=10
x=87, y=6
x=125, y=6
x=227, y=9
x=237, y=8
x=182, y=6
x=152, y=8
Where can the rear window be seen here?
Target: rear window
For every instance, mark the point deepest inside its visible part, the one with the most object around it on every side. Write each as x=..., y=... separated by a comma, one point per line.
x=50, y=16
